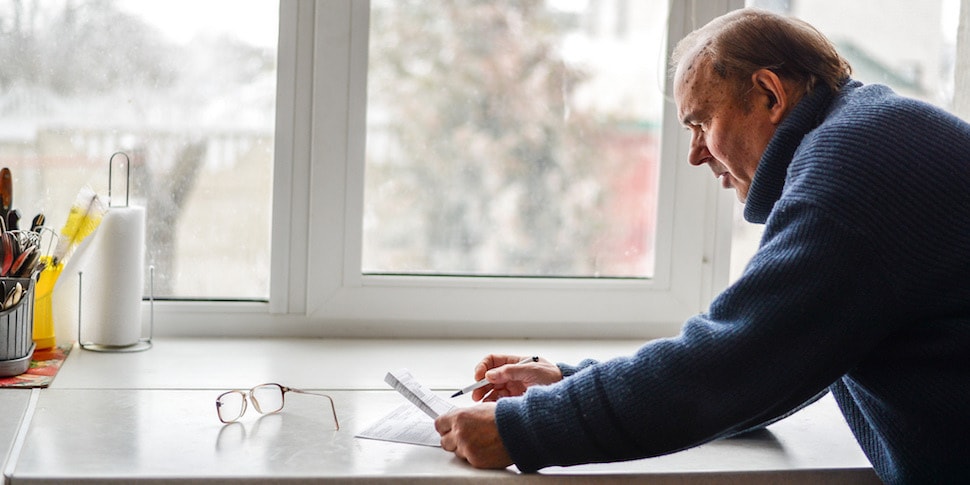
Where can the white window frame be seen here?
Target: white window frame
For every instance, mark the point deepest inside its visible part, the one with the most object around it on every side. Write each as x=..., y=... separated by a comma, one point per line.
x=317, y=288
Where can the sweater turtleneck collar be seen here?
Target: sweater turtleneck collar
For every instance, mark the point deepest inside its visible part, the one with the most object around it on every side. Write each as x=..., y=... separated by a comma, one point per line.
x=769, y=177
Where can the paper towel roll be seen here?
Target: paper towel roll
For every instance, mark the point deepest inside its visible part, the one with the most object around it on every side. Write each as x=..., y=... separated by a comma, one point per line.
x=113, y=267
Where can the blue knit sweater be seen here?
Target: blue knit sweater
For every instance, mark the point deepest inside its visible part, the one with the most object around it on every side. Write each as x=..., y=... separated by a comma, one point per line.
x=861, y=285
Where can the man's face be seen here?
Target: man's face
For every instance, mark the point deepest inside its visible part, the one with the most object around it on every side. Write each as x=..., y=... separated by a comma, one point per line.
x=725, y=135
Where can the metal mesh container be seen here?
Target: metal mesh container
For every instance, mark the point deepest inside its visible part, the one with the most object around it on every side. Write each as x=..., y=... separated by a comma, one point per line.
x=16, y=329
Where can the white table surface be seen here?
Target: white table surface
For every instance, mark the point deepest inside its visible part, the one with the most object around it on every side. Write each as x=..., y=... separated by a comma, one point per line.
x=13, y=405
x=151, y=416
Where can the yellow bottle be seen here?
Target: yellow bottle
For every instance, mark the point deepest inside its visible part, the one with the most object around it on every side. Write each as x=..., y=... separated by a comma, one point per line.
x=43, y=310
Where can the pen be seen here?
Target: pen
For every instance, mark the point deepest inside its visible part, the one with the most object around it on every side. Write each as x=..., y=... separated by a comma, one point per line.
x=484, y=382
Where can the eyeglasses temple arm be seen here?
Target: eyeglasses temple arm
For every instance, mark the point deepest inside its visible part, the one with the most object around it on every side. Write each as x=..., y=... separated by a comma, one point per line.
x=333, y=408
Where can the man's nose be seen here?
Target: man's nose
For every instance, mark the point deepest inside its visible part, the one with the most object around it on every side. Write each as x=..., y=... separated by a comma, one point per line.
x=698, y=153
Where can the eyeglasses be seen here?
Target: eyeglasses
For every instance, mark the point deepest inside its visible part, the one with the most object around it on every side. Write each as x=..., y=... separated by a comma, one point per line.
x=266, y=398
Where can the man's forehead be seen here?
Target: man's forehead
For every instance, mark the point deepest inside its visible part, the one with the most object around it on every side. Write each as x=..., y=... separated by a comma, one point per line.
x=691, y=83
x=695, y=55
x=686, y=65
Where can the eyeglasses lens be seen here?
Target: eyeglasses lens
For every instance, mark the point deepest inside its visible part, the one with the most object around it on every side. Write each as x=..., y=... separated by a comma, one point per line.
x=267, y=398
x=231, y=406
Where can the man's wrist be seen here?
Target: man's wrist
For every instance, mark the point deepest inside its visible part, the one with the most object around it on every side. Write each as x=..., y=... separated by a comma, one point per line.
x=568, y=370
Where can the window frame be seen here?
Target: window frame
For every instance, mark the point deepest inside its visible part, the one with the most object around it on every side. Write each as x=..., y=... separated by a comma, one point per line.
x=316, y=286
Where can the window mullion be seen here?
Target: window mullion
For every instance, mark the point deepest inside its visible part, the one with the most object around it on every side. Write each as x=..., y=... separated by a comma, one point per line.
x=292, y=158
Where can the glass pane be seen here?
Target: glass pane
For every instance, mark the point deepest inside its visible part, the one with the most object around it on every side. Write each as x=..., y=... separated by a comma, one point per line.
x=909, y=46
x=513, y=137
x=267, y=398
x=187, y=89
x=231, y=406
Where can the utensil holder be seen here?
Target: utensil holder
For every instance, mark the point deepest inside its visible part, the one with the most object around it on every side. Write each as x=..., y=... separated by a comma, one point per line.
x=16, y=330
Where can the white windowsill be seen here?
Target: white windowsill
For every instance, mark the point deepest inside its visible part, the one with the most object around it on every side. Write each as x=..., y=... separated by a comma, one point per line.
x=150, y=415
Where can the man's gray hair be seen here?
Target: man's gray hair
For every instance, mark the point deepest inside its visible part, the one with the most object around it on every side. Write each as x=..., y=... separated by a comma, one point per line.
x=739, y=43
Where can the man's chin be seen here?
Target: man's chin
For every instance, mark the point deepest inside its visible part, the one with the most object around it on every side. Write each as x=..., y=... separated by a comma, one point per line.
x=741, y=193
x=728, y=183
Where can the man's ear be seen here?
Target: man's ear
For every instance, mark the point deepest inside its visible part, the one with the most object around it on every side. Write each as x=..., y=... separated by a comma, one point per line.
x=770, y=90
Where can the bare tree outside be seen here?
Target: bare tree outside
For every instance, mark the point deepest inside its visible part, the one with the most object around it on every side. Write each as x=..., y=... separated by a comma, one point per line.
x=480, y=159
x=83, y=79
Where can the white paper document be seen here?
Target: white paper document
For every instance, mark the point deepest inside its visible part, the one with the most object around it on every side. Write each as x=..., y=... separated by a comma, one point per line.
x=411, y=422
x=406, y=424
x=422, y=397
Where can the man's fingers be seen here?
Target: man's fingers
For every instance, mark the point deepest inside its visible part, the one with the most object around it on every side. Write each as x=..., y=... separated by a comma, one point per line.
x=509, y=376
x=493, y=361
x=482, y=393
x=448, y=443
x=444, y=423
x=512, y=373
x=443, y=426
x=473, y=436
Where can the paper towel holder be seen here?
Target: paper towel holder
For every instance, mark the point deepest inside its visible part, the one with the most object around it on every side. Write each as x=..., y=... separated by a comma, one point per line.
x=143, y=343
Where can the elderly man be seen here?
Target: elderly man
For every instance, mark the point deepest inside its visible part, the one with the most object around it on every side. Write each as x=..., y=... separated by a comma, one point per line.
x=861, y=284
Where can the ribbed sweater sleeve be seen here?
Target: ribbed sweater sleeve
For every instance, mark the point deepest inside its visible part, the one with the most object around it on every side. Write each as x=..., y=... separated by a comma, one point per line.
x=750, y=359
x=569, y=370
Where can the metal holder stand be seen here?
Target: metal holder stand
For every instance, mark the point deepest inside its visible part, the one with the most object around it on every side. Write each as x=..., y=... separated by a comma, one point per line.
x=142, y=343
x=127, y=177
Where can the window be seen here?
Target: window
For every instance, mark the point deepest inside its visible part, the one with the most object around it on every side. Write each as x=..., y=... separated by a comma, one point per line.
x=187, y=89
x=338, y=267
x=433, y=237
x=299, y=143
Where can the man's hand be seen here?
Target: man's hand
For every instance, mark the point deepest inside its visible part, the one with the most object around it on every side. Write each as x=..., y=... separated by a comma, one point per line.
x=471, y=433
x=510, y=378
